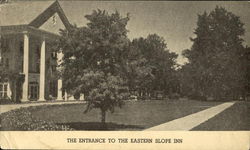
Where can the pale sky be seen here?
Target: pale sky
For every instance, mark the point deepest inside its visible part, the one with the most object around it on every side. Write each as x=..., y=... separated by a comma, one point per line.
x=175, y=21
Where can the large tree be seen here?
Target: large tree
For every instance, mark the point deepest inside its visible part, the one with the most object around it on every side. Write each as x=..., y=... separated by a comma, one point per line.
x=215, y=58
x=94, y=59
x=159, y=60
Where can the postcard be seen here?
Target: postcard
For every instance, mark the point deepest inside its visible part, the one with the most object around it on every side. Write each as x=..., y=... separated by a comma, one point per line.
x=124, y=74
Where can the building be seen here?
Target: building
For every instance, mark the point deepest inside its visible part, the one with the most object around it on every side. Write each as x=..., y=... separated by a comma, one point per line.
x=28, y=30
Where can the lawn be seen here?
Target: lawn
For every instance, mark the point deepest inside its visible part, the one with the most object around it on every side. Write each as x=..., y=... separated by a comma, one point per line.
x=234, y=118
x=137, y=115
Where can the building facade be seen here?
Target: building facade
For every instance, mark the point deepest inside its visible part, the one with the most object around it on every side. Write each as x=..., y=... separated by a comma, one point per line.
x=27, y=50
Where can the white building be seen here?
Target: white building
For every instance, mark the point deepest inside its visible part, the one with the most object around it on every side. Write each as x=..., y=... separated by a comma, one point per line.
x=27, y=31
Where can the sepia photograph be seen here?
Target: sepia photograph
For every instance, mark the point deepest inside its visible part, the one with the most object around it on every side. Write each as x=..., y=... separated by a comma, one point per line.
x=71, y=65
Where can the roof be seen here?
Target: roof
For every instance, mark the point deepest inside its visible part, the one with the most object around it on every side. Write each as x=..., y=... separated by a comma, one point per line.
x=32, y=13
x=5, y=30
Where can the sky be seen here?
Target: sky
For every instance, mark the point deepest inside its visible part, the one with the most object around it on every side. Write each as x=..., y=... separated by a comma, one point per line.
x=175, y=21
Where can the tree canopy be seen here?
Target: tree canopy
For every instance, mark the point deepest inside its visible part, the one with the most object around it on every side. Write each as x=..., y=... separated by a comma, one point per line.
x=215, y=66
x=93, y=60
x=159, y=60
x=102, y=63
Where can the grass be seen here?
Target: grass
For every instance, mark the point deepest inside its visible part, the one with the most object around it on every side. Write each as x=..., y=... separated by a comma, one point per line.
x=234, y=118
x=133, y=116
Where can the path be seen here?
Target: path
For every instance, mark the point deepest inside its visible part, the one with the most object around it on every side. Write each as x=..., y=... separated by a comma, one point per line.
x=191, y=121
x=5, y=108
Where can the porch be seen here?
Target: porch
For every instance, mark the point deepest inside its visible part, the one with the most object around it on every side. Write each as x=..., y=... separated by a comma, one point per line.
x=31, y=54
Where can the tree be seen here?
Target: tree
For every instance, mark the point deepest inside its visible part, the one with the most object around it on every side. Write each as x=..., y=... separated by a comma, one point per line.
x=94, y=58
x=137, y=72
x=158, y=60
x=10, y=75
x=215, y=58
x=15, y=80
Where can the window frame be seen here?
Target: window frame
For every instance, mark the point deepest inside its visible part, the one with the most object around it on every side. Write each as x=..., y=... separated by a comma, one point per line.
x=3, y=90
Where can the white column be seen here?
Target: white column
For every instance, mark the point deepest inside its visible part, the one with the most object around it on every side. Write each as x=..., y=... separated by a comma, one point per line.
x=42, y=72
x=71, y=98
x=65, y=96
x=68, y=97
x=81, y=97
x=25, y=68
x=59, y=82
x=59, y=90
x=8, y=90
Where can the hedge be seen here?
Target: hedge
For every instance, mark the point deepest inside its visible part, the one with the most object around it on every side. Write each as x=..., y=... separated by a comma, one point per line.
x=23, y=120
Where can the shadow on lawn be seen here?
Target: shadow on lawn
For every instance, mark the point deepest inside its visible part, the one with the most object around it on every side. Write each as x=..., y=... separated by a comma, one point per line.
x=99, y=126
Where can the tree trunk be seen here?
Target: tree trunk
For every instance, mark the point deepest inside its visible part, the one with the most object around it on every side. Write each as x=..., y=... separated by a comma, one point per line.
x=103, y=119
x=103, y=116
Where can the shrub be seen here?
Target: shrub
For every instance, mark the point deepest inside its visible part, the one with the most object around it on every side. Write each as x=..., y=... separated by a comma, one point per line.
x=197, y=97
x=174, y=96
x=22, y=120
x=6, y=101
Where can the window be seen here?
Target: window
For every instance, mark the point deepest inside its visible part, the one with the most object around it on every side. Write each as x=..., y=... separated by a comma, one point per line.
x=3, y=90
x=4, y=43
x=21, y=47
x=37, y=67
x=38, y=51
x=38, y=55
x=53, y=88
x=33, y=90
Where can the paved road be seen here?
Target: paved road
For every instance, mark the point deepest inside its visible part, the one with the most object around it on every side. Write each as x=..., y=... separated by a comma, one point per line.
x=5, y=108
x=191, y=121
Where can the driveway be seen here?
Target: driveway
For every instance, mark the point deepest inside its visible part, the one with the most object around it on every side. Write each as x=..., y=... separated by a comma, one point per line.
x=189, y=122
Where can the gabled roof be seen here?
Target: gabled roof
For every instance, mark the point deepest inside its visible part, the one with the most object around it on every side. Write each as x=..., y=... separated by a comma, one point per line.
x=32, y=13
x=45, y=15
